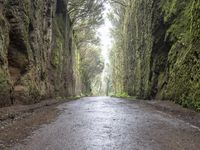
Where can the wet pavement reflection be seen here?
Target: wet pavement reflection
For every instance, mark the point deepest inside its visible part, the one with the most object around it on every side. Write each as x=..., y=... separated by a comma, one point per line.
x=105, y=123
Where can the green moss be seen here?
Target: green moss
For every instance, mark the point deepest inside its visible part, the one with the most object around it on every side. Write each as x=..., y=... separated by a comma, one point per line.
x=55, y=55
x=121, y=95
x=34, y=93
x=5, y=87
x=124, y=95
x=3, y=82
x=183, y=85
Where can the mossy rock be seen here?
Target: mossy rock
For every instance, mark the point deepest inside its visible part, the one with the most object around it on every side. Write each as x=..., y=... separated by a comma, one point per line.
x=5, y=90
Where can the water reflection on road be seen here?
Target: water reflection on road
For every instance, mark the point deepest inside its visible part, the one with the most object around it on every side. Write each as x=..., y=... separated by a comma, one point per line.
x=97, y=123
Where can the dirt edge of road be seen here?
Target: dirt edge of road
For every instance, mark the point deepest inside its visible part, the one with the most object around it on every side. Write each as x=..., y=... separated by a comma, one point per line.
x=169, y=107
x=188, y=115
x=18, y=122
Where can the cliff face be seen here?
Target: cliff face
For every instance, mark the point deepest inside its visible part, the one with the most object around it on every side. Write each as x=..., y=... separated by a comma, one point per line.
x=36, y=57
x=183, y=70
x=162, y=53
x=137, y=45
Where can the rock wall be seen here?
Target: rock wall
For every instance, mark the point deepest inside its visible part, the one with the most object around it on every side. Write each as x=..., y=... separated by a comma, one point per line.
x=137, y=45
x=183, y=73
x=162, y=50
x=36, y=55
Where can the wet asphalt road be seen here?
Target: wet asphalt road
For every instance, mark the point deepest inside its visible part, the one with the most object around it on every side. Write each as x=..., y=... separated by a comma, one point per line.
x=103, y=123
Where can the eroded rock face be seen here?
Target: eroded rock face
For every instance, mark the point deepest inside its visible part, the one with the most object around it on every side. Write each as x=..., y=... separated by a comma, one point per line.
x=162, y=50
x=138, y=44
x=35, y=51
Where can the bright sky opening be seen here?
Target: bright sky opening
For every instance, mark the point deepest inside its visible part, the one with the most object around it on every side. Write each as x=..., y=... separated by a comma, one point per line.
x=106, y=43
x=104, y=34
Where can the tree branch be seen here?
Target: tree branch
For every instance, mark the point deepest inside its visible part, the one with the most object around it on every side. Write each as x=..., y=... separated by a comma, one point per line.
x=120, y=3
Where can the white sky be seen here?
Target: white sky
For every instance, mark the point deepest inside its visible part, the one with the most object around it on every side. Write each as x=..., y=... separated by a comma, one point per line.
x=106, y=42
x=104, y=34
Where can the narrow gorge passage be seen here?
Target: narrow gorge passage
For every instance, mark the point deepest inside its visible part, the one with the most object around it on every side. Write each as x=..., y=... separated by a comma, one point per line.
x=97, y=123
x=56, y=54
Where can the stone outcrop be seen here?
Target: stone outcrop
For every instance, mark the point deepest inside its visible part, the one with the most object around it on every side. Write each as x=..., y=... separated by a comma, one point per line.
x=162, y=50
x=36, y=56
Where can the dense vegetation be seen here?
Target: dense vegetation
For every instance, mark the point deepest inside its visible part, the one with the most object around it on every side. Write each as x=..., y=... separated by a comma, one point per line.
x=86, y=17
x=158, y=43
x=46, y=47
x=49, y=48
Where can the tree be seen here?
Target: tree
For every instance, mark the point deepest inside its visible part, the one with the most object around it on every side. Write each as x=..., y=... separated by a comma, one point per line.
x=85, y=12
x=117, y=18
x=86, y=16
x=91, y=65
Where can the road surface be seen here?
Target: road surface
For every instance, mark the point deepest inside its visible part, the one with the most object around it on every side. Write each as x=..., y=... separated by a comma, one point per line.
x=104, y=123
